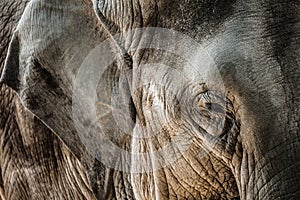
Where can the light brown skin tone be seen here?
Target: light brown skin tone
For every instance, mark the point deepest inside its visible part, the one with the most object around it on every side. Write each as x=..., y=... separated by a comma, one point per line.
x=255, y=46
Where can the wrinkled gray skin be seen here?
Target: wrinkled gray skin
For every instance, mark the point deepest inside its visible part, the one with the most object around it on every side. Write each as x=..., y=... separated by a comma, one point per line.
x=255, y=46
x=34, y=162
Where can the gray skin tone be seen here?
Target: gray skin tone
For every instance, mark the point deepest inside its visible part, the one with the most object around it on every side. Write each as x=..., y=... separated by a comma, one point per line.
x=34, y=162
x=255, y=47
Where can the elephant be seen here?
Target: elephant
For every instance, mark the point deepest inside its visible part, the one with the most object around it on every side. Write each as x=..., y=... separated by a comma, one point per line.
x=151, y=100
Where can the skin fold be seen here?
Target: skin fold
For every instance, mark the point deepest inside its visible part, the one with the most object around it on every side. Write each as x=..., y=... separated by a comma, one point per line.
x=255, y=49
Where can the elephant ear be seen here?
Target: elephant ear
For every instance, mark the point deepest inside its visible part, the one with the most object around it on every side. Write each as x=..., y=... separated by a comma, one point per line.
x=50, y=43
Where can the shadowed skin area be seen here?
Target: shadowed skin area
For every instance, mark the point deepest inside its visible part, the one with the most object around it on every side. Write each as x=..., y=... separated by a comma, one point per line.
x=255, y=47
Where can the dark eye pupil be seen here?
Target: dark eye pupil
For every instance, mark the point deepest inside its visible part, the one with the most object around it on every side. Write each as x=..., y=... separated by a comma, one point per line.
x=208, y=105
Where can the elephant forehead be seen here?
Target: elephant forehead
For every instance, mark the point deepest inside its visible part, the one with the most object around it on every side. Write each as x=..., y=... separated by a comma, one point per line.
x=204, y=16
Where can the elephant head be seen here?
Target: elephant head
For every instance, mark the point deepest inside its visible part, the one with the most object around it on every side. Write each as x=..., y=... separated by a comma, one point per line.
x=202, y=105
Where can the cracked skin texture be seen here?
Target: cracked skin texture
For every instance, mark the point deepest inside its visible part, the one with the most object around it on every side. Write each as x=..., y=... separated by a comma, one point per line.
x=255, y=46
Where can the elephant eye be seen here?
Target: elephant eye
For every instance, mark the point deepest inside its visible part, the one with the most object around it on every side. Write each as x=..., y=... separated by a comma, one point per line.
x=211, y=101
x=210, y=112
x=212, y=107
